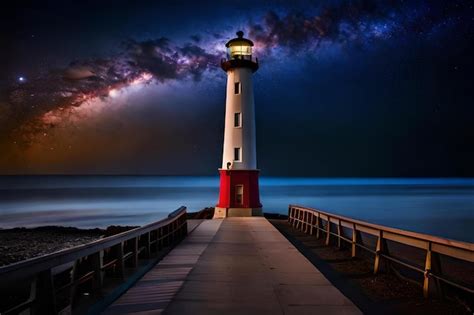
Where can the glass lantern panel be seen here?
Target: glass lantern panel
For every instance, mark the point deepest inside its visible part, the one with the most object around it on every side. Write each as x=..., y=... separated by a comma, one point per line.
x=240, y=52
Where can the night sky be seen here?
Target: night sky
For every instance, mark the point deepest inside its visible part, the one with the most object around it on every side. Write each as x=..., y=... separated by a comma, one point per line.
x=345, y=88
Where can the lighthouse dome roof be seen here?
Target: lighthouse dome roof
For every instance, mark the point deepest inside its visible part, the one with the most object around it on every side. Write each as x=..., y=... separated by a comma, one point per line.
x=239, y=41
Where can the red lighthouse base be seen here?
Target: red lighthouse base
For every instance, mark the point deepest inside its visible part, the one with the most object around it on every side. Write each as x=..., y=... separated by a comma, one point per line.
x=239, y=194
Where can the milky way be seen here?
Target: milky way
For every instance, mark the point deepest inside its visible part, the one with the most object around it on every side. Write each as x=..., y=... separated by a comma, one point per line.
x=359, y=21
x=32, y=107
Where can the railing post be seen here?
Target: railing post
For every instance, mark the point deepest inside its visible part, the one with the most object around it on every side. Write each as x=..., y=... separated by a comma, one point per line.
x=185, y=227
x=45, y=302
x=156, y=245
x=354, y=240
x=311, y=223
x=135, y=252
x=300, y=219
x=289, y=214
x=378, y=251
x=176, y=231
x=165, y=235
x=181, y=231
x=328, y=230
x=339, y=231
x=170, y=234
x=305, y=220
x=297, y=218
x=436, y=268
x=119, y=257
x=72, y=292
x=148, y=244
x=293, y=223
x=173, y=232
x=96, y=263
x=160, y=238
x=303, y=226
x=308, y=222
x=169, y=238
x=318, y=225
x=303, y=214
x=426, y=274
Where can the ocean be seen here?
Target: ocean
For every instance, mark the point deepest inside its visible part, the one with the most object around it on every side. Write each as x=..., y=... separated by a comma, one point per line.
x=443, y=207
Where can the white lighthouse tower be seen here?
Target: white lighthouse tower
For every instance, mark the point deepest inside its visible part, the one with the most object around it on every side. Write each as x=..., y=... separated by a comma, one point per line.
x=239, y=191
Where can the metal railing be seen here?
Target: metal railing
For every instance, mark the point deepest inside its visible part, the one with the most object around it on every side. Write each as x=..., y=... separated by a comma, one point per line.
x=374, y=239
x=249, y=58
x=55, y=281
x=250, y=62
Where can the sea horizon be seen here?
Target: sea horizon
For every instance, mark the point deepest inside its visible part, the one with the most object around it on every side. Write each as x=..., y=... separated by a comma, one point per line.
x=437, y=206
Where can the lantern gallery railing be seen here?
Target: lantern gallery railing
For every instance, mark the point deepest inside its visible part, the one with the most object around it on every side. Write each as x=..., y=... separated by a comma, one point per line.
x=437, y=262
x=240, y=57
x=63, y=280
x=240, y=61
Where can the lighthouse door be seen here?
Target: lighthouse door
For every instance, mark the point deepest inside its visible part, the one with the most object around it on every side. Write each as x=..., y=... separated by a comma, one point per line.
x=239, y=194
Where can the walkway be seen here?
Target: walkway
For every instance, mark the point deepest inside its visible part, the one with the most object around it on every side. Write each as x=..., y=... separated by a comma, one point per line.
x=234, y=266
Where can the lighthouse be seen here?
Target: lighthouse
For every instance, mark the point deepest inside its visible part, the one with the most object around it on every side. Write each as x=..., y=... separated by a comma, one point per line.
x=239, y=192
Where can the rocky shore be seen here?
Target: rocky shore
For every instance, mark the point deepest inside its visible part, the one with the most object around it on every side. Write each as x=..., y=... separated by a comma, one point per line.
x=21, y=243
x=18, y=244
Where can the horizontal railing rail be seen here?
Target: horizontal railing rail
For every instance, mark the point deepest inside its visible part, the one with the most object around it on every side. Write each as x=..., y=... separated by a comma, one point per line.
x=64, y=272
x=249, y=58
x=314, y=221
x=248, y=62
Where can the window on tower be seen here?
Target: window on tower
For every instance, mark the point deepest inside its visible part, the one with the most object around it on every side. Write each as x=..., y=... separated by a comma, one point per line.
x=237, y=120
x=237, y=88
x=237, y=154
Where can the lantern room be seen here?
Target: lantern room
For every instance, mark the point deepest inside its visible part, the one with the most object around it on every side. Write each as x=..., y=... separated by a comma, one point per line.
x=239, y=54
x=240, y=47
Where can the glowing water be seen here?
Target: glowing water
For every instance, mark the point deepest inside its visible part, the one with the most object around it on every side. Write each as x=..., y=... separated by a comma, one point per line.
x=442, y=207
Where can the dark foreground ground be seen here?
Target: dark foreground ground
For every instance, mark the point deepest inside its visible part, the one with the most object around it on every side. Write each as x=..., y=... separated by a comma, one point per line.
x=374, y=294
x=21, y=243
x=24, y=243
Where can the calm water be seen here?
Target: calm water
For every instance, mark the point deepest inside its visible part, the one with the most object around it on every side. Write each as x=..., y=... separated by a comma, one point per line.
x=435, y=206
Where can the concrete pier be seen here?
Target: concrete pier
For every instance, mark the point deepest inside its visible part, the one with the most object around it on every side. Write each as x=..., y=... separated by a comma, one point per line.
x=234, y=266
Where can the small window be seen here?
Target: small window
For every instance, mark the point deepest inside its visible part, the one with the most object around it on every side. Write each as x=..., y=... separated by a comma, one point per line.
x=237, y=120
x=237, y=88
x=236, y=154
x=239, y=194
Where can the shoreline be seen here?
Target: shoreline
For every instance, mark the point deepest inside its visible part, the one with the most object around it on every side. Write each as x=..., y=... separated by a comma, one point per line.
x=18, y=244
x=22, y=243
